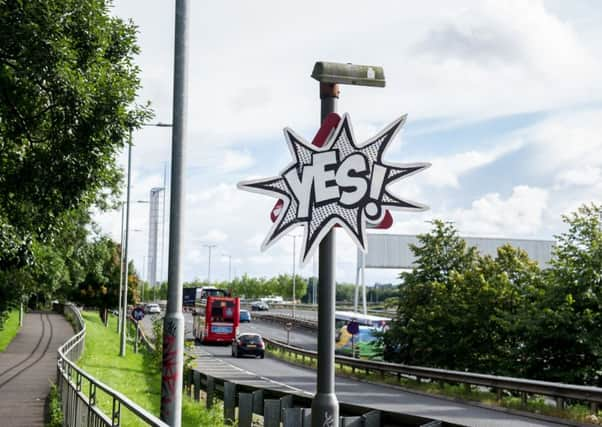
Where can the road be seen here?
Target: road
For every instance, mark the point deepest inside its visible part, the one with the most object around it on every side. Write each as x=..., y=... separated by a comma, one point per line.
x=217, y=361
x=269, y=372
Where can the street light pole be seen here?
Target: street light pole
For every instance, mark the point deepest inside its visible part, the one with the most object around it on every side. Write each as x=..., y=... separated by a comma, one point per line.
x=325, y=406
x=124, y=277
x=120, y=271
x=208, y=246
x=173, y=325
x=294, y=236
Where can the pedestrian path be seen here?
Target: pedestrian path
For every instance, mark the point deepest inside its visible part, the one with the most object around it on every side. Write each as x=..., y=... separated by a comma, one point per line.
x=28, y=367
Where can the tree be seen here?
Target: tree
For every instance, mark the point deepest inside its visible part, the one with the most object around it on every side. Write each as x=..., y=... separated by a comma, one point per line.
x=422, y=294
x=68, y=85
x=566, y=344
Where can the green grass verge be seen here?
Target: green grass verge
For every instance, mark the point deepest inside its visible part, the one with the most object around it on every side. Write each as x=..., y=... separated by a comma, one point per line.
x=136, y=376
x=535, y=404
x=10, y=329
x=55, y=412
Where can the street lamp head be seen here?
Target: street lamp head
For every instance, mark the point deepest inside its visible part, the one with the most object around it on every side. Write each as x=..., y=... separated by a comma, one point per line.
x=159, y=125
x=349, y=74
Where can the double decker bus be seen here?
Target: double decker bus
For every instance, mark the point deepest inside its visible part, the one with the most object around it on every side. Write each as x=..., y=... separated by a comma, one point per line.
x=216, y=319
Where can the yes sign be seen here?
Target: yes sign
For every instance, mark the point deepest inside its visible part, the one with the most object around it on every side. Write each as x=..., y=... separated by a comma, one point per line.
x=341, y=183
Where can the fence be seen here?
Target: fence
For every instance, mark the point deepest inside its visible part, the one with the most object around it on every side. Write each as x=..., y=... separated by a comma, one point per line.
x=558, y=391
x=79, y=408
x=289, y=410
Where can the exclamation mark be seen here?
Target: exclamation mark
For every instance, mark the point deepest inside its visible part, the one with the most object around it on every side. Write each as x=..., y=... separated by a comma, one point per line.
x=376, y=183
x=373, y=210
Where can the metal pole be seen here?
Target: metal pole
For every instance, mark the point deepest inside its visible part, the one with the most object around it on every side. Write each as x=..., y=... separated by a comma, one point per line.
x=357, y=282
x=124, y=278
x=208, y=246
x=173, y=326
x=325, y=406
x=294, y=296
x=162, y=231
x=363, y=258
x=120, y=272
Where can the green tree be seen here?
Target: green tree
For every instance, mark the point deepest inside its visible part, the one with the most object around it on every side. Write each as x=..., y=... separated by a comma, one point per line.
x=68, y=84
x=565, y=343
x=413, y=337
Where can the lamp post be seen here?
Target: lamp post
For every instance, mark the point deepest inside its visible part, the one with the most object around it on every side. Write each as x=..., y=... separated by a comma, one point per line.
x=325, y=406
x=209, y=247
x=294, y=236
x=124, y=277
x=173, y=325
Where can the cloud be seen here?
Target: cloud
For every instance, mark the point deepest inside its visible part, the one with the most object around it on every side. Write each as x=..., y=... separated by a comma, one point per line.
x=446, y=171
x=235, y=161
x=585, y=176
x=521, y=214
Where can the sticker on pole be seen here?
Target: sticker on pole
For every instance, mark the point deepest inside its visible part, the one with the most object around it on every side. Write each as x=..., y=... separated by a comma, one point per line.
x=340, y=183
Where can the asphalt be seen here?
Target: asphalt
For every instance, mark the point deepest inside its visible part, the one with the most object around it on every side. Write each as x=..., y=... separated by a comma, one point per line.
x=28, y=367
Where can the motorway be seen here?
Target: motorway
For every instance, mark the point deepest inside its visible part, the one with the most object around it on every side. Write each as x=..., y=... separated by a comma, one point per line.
x=217, y=361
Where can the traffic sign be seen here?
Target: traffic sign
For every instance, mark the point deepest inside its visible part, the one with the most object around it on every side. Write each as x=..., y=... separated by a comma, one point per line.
x=353, y=327
x=138, y=313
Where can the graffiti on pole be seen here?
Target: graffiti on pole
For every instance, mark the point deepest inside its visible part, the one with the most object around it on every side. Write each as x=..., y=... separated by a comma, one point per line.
x=170, y=371
x=341, y=183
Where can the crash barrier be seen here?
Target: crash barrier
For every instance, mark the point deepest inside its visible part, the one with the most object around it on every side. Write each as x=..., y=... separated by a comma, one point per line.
x=558, y=391
x=79, y=408
x=290, y=409
x=296, y=322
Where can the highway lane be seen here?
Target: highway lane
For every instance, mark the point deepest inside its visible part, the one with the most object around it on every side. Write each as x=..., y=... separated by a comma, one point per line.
x=217, y=361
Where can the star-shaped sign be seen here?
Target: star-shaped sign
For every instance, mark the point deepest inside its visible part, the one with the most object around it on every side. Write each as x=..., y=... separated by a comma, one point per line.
x=340, y=183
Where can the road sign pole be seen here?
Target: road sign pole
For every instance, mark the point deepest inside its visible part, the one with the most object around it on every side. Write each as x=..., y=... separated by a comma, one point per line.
x=325, y=406
x=173, y=325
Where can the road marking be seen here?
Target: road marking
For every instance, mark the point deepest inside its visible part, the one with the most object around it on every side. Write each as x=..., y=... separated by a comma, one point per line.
x=202, y=352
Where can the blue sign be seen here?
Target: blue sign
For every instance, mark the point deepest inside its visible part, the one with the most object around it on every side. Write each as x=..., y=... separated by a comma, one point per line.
x=353, y=327
x=138, y=313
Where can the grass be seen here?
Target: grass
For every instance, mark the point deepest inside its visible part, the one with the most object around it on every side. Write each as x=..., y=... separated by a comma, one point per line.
x=55, y=413
x=10, y=329
x=136, y=376
x=535, y=404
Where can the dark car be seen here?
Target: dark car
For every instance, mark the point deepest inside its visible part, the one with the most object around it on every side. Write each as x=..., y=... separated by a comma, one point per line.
x=245, y=316
x=260, y=306
x=251, y=344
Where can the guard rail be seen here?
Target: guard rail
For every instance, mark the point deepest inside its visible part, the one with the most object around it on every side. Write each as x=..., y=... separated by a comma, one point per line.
x=79, y=408
x=558, y=391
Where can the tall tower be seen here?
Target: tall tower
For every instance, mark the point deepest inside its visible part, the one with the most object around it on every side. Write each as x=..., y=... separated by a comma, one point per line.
x=153, y=224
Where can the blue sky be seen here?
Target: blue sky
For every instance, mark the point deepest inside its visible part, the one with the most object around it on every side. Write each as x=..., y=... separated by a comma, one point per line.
x=503, y=98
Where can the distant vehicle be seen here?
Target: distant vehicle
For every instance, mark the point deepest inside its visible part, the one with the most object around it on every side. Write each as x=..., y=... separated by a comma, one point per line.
x=248, y=344
x=272, y=300
x=260, y=306
x=152, y=309
x=245, y=316
x=217, y=320
x=196, y=296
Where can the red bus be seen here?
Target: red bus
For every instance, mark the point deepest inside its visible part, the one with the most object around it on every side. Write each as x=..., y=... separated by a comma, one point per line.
x=217, y=320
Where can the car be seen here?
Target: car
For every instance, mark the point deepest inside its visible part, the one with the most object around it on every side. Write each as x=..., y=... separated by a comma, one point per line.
x=152, y=309
x=248, y=344
x=260, y=306
x=245, y=316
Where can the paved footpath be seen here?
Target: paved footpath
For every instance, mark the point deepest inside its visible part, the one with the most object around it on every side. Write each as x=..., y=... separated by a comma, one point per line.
x=28, y=366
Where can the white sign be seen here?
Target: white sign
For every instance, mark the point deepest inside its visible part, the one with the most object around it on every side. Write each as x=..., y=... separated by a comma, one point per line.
x=340, y=183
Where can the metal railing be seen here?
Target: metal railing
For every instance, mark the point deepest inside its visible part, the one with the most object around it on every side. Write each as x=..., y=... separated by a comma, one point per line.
x=289, y=408
x=81, y=408
x=558, y=391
